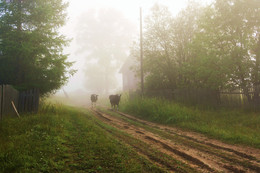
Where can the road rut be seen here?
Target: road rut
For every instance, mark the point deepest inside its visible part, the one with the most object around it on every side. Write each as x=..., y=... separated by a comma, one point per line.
x=193, y=149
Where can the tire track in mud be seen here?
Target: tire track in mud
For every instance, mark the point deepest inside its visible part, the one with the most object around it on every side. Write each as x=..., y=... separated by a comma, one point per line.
x=199, y=152
x=254, y=154
x=146, y=151
x=250, y=156
x=203, y=140
x=181, y=154
x=141, y=150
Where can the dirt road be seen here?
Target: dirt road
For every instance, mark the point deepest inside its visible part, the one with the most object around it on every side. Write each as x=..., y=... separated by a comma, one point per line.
x=177, y=150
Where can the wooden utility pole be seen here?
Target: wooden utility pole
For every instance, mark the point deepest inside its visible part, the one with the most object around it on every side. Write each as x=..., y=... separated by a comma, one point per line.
x=141, y=53
x=19, y=73
x=1, y=101
x=19, y=22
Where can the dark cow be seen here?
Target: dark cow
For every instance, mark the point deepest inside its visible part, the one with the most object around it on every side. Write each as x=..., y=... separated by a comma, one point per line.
x=94, y=99
x=114, y=100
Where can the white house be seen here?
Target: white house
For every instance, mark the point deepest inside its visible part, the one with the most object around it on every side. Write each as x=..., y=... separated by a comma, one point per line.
x=130, y=81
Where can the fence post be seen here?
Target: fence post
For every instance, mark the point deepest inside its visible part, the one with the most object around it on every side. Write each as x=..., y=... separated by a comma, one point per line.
x=30, y=100
x=20, y=102
x=35, y=99
x=1, y=101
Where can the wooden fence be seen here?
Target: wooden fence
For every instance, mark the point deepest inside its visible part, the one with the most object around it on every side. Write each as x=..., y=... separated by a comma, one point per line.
x=29, y=101
x=26, y=101
x=197, y=96
x=205, y=97
x=166, y=93
x=8, y=95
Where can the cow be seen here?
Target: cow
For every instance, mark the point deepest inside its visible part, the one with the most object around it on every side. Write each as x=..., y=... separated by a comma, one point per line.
x=114, y=100
x=93, y=99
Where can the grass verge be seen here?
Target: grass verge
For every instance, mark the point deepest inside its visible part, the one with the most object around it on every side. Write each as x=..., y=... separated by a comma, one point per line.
x=64, y=139
x=232, y=126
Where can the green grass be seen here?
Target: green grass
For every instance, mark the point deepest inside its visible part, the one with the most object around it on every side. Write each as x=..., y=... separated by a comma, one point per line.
x=233, y=126
x=64, y=139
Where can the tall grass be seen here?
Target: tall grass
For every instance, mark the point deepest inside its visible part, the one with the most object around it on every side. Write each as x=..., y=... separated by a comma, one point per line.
x=233, y=126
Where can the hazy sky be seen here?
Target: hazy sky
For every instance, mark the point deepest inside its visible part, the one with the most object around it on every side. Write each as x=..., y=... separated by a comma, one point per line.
x=130, y=8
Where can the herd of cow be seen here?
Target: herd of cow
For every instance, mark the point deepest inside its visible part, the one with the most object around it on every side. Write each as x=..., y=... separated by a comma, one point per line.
x=114, y=100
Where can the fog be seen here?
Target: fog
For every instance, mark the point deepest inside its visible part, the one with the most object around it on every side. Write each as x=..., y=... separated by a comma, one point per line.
x=102, y=32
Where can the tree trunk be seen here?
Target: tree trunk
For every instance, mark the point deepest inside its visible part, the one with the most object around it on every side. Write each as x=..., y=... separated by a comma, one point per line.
x=19, y=75
x=256, y=83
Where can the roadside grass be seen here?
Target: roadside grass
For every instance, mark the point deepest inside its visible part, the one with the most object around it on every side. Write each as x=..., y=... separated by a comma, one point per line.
x=64, y=139
x=232, y=126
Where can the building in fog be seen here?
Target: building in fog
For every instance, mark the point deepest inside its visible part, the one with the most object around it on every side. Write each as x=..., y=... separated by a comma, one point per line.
x=130, y=81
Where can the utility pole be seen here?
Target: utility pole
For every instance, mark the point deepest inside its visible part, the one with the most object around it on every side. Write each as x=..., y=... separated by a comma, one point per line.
x=19, y=22
x=19, y=74
x=141, y=54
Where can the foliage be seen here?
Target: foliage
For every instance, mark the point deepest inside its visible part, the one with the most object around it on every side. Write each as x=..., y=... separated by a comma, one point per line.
x=221, y=49
x=158, y=58
x=213, y=47
x=233, y=126
x=32, y=47
x=166, y=45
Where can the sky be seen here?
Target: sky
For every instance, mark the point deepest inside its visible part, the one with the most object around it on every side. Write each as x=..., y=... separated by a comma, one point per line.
x=131, y=10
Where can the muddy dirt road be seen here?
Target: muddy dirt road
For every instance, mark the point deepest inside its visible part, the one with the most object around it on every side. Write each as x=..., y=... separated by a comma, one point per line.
x=177, y=150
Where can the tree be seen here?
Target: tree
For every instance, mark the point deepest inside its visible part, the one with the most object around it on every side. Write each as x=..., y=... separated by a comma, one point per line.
x=227, y=34
x=166, y=45
x=254, y=22
x=208, y=59
x=185, y=26
x=159, y=64
x=213, y=48
x=104, y=36
x=32, y=46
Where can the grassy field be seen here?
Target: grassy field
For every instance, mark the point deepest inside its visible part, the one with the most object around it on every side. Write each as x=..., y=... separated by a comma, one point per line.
x=64, y=139
x=232, y=126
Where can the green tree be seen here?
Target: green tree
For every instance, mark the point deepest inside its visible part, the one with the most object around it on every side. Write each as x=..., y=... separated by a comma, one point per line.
x=167, y=42
x=159, y=63
x=185, y=27
x=254, y=22
x=32, y=46
x=214, y=47
x=205, y=67
x=221, y=48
